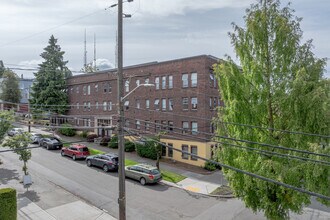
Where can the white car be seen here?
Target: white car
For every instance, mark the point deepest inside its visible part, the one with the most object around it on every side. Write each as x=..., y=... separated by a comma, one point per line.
x=15, y=131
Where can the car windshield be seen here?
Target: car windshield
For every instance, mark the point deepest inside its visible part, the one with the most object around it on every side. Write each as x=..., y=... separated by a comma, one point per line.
x=154, y=172
x=83, y=149
x=115, y=159
x=54, y=140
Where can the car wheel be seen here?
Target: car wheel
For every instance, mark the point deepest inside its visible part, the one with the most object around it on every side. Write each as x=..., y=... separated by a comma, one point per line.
x=105, y=168
x=89, y=163
x=143, y=181
x=74, y=157
x=62, y=153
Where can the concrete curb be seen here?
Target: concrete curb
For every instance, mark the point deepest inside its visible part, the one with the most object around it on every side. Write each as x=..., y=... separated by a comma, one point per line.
x=164, y=182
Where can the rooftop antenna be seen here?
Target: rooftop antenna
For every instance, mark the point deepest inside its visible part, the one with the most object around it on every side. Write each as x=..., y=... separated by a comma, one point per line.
x=85, y=53
x=94, y=53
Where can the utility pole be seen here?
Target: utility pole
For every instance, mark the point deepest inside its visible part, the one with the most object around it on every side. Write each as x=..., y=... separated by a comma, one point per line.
x=121, y=155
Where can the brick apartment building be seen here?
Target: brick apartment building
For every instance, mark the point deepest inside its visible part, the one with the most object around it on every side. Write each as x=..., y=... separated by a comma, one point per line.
x=182, y=102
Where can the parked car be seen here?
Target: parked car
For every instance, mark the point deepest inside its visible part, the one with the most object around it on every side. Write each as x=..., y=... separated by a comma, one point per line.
x=50, y=143
x=144, y=173
x=105, y=161
x=35, y=138
x=76, y=151
x=15, y=131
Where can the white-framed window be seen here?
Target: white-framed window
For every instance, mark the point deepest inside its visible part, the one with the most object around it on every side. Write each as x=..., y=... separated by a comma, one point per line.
x=170, y=82
x=137, y=82
x=104, y=106
x=77, y=89
x=126, y=104
x=84, y=90
x=85, y=106
x=185, y=82
x=170, y=104
x=157, y=104
x=163, y=82
x=157, y=82
x=170, y=125
x=184, y=149
x=146, y=81
x=164, y=125
x=77, y=105
x=193, y=150
x=194, y=103
x=96, y=87
x=110, y=106
x=185, y=103
x=127, y=123
x=138, y=125
x=193, y=79
x=88, y=106
x=211, y=103
x=147, y=103
x=211, y=79
x=96, y=105
x=164, y=104
x=137, y=103
x=88, y=90
x=194, y=127
x=185, y=127
x=127, y=86
x=147, y=125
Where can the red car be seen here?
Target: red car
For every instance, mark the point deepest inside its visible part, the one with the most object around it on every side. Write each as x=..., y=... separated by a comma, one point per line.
x=76, y=151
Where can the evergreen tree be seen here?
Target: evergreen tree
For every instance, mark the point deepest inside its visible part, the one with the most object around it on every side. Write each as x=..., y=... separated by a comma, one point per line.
x=10, y=87
x=49, y=87
x=278, y=85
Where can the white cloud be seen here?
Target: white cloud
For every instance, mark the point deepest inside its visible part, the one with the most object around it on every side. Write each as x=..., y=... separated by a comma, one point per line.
x=30, y=63
x=103, y=64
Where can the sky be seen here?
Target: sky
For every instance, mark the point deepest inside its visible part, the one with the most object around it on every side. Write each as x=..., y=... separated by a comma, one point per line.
x=158, y=30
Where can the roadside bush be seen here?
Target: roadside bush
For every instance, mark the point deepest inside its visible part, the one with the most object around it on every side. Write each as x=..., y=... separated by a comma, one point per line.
x=105, y=141
x=114, y=142
x=91, y=137
x=67, y=130
x=209, y=166
x=84, y=134
x=8, y=204
x=146, y=151
x=129, y=146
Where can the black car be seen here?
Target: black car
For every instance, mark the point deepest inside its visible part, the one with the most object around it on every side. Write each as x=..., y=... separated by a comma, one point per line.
x=50, y=143
x=106, y=161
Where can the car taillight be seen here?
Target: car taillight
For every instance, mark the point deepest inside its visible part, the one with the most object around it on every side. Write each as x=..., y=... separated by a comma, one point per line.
x=151, y=177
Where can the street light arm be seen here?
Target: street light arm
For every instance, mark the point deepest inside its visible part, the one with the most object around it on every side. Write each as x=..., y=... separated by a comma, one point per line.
x=145, y=85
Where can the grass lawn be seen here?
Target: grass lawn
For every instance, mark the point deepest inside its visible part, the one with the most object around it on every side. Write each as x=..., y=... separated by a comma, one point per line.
x=130, y=162
x=94, y=151
x=172, y=177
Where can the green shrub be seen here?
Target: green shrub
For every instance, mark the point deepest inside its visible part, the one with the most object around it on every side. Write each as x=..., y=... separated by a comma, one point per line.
x=8, y=204
x=67, y=130
x=114, y=142
x=84, y=134
x=129, y=146
x=146, y=151
x=210, y=166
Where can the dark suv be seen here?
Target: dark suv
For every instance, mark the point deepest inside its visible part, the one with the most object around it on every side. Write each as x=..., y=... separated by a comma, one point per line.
x=105, y=161
x=50, y=143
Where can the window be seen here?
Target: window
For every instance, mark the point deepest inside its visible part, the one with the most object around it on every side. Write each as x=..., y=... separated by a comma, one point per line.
x=194, y=80
x=170, y=82
x=157, y=104
x=77, y=105
x=185, y=80
x=88, y=90
x=157, y=82
x=126, y=104
x=137, y=124
x=146, y=81
x=96, y=87
x=211, y=103
x=137, y=103
x=127, y=123
x=185, y=103
x=147, y=103
x=212, y=128
x=104, y=106
x=164, y=125
x=164, y=104
x=88, y=106
x=163, y=149
x=105, y=87
x=85, y=106
x=194, y=103
x=170, y=125
x=194, y=128
x=170, y=150
x=214, y=102
x=170, y=104
x=185, y=127
x=164, y=82
x=184, y=149
x=96, y=105
x=137, y=82
x=147, y=125
x=211, y=79
x=157, y=126
x=126, y=86
x=110, y=106
x=84, y=90
x=77, y=89
x=193, y=151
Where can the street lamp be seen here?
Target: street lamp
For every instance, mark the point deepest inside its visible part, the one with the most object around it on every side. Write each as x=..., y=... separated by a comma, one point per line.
x=121, y=144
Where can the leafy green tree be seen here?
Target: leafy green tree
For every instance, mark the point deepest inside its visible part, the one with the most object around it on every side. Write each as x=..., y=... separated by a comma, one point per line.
x=17, y=142
x=6, y=118
x=10, y=87
x=49, y=87
x=279, y=85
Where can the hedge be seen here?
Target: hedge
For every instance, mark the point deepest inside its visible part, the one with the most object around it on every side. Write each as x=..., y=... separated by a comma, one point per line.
x=67, y=130
x=8, y=204
x=146, y=151
x=129, y=146
x=113, y=142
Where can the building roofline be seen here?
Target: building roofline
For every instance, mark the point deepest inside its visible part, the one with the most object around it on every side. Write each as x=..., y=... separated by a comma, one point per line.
x=113, y=70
